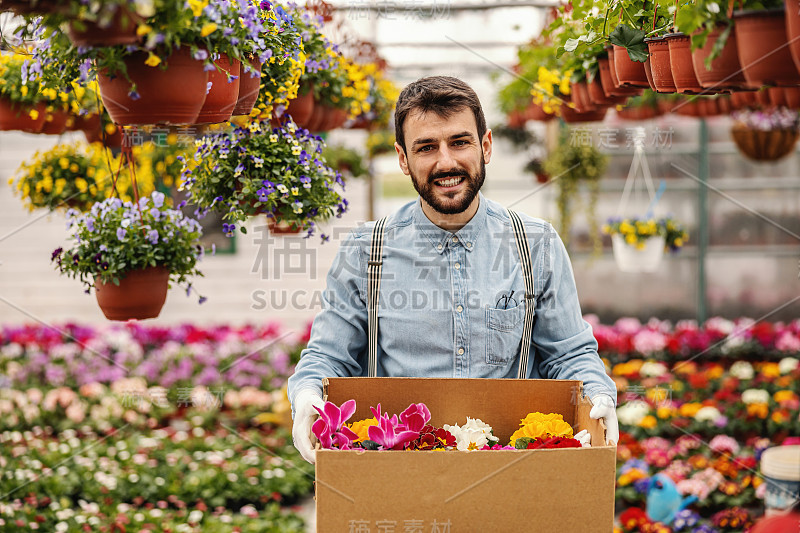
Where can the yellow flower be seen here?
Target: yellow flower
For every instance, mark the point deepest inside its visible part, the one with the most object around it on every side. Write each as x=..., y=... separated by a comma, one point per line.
x=537, y=425
x=770, y=370
x=143, y=29
x=361, y=428
x=208, y=29
x=648, y=422
x=24, y=90
x=33, y=114
x=784, y=396
x=665, y=412
x=761, y=410
x=81, y=184
x=152, y=60
x=690, y=409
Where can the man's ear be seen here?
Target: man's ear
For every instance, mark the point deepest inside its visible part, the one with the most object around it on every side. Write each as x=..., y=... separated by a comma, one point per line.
x=486, y=146
x=402, y=158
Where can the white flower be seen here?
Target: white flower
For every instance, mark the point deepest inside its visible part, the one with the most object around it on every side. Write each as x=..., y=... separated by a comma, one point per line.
x=138, y=517
x=632, y=413
x=195, y=516
x=713, y=7
x=755, y=396
x=742, y=370
x=62, y=526
x=652, y=369
x=156, y=513
x=475, y=434
x=707, y=414
x=788, y=365
x=133, y=478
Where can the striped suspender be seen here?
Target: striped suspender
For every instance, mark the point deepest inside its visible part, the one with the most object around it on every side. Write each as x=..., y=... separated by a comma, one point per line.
x=527, y=271
x=374, y=285
x=373, y=293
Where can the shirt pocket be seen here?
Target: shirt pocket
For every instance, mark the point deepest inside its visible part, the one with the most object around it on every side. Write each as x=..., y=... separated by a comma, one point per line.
x=504, y=334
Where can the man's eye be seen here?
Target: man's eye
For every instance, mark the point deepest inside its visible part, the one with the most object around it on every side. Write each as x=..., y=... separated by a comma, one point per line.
x=425, y=149
x=461, y=142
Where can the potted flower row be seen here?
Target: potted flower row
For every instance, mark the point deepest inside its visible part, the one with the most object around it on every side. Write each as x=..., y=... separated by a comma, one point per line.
x=213, y=53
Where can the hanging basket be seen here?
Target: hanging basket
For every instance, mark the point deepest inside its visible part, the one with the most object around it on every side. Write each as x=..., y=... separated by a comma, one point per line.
x=57, y=123
x=160, y=101
x=223, y=95
x=249, y=87
x=282, y=228
x=632, y=259
x=140, y=294
x=120, y=31
x=15, y=117
x=660, y=66
x=301, y=109
x=760, y=145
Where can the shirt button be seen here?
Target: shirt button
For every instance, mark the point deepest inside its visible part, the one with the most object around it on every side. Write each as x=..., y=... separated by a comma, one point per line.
x=455, y=239
x=461, y=351
x=438, y=246
x=459, y=308
x=457, y=266
x=469, y=244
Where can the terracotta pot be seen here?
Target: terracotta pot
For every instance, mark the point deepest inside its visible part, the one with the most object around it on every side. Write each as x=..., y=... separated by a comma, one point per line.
x=571, y=116
x=335, y=117
x=660, y=65
x=792, y=11
x=140, y=294
x=302, y=107
x=13, y=117
x=282, y=228
x=725, y=72
x=649, y=73
x=597, y=95
x=680, y=60
x=619, y=89
x=764, y=145
x=223, y=95
x=607, y=81
x=792, y=95
x=629, y=73
x=638, y=113
x=535, y=112
x=762, y=98
x=121, y=30
x=159, y=102
x=96, y=135
x=580, y=98
x=57, y=123
x=320, y=113
x=249, y=87
x=744, y=99
x=688, y=108
x=761, y=43
x=724, y=105
x=86, y=122
x=777, y=97
x=24, y=7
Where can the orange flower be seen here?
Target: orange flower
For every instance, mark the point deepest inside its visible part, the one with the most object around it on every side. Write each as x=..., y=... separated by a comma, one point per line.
x=761, y=410
x=780, y=416
x=785, y=396
x=715, y=372
x=537, y=425
x=690, y=409
x=361, y=428
x=685, y=368
x=698, y=462
x=666, y=412
x=770, y=370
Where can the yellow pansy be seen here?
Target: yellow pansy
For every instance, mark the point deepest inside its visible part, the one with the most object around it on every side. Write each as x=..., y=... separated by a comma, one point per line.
x=208, y=29
x=152, y=60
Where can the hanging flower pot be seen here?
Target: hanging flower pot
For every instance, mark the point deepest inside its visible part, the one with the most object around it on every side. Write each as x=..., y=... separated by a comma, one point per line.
x=648, y=70
x=777, y=97
x=535, y=112
x=572, y=116
x=629, y=73
x=223, y=93
x=281, y=227
x=680, y=59
x=121, y=29
x=761, y=43
x=140, y=294
x=762, y=97
x=725, y=71
x=607, y=81
x=14, y=116
x=641, y=112
x=598, y=96
x=302, y=107
x=761, y=145
x=55, y=123
x=335, y=117
x=630, y=258
x=249, y=87
x=793, y=30
x=660, y=65
x=156, y=100
x=744, y=99
x=792, y=95
x=619, y=88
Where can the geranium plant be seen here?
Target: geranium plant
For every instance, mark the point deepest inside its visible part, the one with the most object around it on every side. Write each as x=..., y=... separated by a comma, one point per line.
x=116, y=237
x=259, y=169
x=636, y=231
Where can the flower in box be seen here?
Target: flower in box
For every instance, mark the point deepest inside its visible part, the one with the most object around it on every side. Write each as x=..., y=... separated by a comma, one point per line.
x=473, y=435
x=361, y=428
x=537, y=424
x=330, y=427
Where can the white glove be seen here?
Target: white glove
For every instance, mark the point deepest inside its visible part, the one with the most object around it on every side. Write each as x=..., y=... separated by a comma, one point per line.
x=604, y=407
x=304, y=417
x=584, y=438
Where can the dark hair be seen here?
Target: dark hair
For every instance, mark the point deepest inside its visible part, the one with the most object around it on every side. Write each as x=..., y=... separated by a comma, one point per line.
x=442, y=95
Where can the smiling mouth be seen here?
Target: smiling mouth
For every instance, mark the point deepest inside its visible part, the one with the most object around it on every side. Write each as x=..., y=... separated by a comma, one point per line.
x=449, y=182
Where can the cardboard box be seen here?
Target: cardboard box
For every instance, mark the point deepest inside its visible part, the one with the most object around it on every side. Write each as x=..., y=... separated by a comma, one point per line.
x=559, y=490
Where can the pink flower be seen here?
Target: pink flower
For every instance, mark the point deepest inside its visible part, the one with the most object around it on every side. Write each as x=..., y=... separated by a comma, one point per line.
x=648, y=341
x=389, y=433
x=330, y=428
x=415, y=417
x=724, y=444
x=628, y=325
x=787, y=342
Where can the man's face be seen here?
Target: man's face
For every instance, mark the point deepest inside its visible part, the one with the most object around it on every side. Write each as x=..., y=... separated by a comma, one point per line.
x=446, y=160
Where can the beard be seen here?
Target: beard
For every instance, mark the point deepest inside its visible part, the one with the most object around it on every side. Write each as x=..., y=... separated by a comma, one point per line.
x=450, y=203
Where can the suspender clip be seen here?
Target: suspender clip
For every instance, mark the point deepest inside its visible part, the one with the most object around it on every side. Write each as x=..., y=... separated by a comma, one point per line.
x=374, y=263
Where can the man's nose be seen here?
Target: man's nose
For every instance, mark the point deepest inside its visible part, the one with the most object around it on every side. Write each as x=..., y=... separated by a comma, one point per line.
x=446, y=160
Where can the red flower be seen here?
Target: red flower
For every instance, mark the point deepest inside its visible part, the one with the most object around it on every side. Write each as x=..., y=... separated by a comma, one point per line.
x=698, y=381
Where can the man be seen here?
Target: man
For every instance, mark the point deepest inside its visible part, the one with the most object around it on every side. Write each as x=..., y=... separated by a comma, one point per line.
x=453, y=285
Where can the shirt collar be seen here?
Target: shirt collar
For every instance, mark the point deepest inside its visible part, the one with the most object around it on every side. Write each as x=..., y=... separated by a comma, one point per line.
x=440, y=239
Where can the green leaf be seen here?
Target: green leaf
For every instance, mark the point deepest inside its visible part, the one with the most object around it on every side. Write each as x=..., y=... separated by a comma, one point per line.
x=632, y=40
x=571, y=45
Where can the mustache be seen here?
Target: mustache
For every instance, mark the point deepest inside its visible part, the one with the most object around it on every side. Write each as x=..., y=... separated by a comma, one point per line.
x=458, y=173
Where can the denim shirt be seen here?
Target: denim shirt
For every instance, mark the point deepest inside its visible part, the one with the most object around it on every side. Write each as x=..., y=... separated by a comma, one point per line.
x=441, y=310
